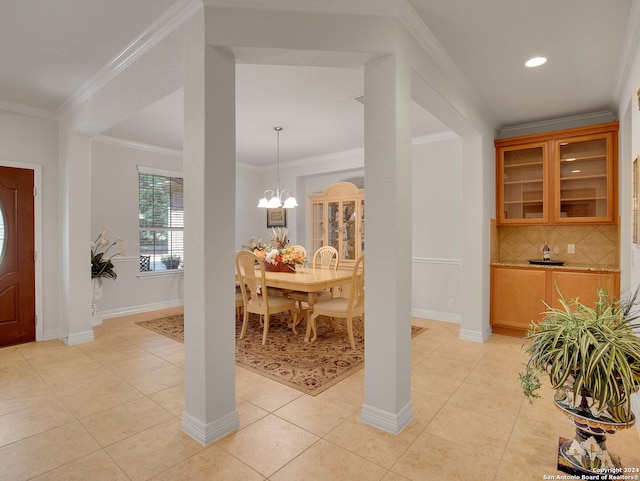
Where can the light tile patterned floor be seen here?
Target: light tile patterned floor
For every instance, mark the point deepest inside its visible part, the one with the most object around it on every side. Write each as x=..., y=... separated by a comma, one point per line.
x=111, y=410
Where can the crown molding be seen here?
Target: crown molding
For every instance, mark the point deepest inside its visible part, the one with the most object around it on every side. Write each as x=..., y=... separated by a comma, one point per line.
x=350, y=7
x=628, y=54
x=400, y=9
x=137, y=145
x=428, y=41
x=27, y=110
x=549, y=125
x=164, y=25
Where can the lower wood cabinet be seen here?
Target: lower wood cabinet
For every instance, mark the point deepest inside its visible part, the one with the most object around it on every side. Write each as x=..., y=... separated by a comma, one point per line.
x=518, y=294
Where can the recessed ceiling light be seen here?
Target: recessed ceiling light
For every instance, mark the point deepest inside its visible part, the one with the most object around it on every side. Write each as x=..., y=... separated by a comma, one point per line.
x=535, y=61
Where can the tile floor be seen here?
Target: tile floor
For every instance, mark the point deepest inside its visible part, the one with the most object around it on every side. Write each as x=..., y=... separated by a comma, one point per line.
x=111, y=410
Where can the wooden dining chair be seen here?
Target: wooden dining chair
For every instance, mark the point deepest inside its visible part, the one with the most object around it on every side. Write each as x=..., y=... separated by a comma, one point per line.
x=301, y=249
x=239, y=303
x=325, y=258
x=255, y=297
x=342, y=307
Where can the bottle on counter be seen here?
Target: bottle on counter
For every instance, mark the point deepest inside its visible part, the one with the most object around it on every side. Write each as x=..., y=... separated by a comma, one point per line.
x=546, y=252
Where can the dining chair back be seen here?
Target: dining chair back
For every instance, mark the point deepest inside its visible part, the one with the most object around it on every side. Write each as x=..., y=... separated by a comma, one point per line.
x=301, y=249
x=254, y=294
x=342, y=307
x=326, y=258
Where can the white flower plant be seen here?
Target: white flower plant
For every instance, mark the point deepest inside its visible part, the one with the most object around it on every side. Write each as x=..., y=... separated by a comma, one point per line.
x=101, y=264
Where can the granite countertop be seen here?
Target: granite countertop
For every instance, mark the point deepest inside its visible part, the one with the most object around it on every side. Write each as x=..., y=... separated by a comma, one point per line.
x=566, y=266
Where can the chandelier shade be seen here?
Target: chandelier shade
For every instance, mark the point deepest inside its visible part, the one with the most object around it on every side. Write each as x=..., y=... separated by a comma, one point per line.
x=273, y=199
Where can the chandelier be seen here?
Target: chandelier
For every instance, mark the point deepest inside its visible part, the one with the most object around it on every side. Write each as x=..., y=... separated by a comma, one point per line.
x=278, y=198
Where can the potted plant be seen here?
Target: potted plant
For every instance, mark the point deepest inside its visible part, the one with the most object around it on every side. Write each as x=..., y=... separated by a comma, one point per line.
x=171, y=261
x=102, y=267
x=101, y=261
x=592, y=358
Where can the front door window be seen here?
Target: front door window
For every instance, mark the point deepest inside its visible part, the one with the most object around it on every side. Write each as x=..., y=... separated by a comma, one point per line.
x=2, y=235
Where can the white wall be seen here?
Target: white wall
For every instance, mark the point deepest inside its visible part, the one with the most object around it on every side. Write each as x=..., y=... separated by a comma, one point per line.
x=437, y=229
x=115, y=206
x=27, y=141
x=114, y=199
x=250, y=221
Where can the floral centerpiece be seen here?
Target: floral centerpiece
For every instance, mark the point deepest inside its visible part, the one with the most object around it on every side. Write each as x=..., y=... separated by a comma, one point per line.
x=101, y=264
x=280, y=260
x=276, y=257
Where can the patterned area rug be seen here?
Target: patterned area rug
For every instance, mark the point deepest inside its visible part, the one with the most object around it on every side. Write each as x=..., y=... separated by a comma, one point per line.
x=310, y=367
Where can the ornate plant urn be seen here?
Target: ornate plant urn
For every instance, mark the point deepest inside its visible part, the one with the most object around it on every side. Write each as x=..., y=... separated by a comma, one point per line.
x=587, y=453
x=96, y=297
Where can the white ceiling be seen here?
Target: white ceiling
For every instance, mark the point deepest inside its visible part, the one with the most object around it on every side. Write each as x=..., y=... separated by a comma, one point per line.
x=49, y=49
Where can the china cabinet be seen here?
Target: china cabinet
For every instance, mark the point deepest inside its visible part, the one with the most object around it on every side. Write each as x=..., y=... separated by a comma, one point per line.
x=562, y=177
x=517, y=293
x=337, y=220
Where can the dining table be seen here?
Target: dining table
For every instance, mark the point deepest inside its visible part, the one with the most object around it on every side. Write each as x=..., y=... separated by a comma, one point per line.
x=309, y=281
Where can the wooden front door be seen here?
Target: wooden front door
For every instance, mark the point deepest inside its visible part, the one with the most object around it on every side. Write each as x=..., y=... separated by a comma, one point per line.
x=17, y=261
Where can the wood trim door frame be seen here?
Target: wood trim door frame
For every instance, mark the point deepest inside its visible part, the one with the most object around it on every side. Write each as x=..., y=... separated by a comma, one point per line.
x=37, y=205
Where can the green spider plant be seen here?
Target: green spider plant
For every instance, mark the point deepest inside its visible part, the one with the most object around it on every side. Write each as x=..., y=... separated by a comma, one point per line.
x=592, y=350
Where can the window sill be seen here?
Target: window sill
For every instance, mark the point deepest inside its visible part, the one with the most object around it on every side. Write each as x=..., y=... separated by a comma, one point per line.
x=156, y=274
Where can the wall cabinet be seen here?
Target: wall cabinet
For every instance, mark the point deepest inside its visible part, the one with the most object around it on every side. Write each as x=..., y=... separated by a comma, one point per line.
x=517, y=294
x=337, y=219
x=562, y=177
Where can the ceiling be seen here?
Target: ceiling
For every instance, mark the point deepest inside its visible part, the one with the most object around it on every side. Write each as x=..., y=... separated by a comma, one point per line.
x=52, y=48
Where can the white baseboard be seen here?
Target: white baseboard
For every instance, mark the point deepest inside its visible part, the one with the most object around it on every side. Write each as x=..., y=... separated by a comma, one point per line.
x=207, y=433
x=78, y=338
x=127, y=311
x=436, y=315
x=50, y=334
x=475, y=336
x=387, y=421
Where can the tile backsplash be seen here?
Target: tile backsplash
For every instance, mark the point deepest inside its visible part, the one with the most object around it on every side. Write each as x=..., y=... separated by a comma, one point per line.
x=595, y=245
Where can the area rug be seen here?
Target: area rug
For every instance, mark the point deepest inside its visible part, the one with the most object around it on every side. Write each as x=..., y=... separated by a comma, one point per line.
x=310, y=367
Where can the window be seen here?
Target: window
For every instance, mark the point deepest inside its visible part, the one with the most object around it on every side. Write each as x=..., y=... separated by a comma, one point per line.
x=161, y=220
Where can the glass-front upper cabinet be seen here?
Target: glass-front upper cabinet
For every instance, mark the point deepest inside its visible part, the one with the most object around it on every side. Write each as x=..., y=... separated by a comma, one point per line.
x=584, y=190
x=317, y=226
x=561, y=177
x=349, y=226
x=523, y=192
x=333, y=234
x=337, y=220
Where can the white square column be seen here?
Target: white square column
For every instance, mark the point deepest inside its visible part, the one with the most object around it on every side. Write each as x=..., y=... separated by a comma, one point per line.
x=209, y=193
x=387, y=119
x=76, y=235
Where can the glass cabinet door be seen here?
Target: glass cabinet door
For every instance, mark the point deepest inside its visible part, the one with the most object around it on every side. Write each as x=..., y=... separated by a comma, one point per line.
x=337, y=220
x=317, y=226
x=583, y=189
x=349, y=226
x=523, y=185
x=333, y=224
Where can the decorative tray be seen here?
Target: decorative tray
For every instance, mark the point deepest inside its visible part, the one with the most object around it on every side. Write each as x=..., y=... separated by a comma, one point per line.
x=546, y=263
